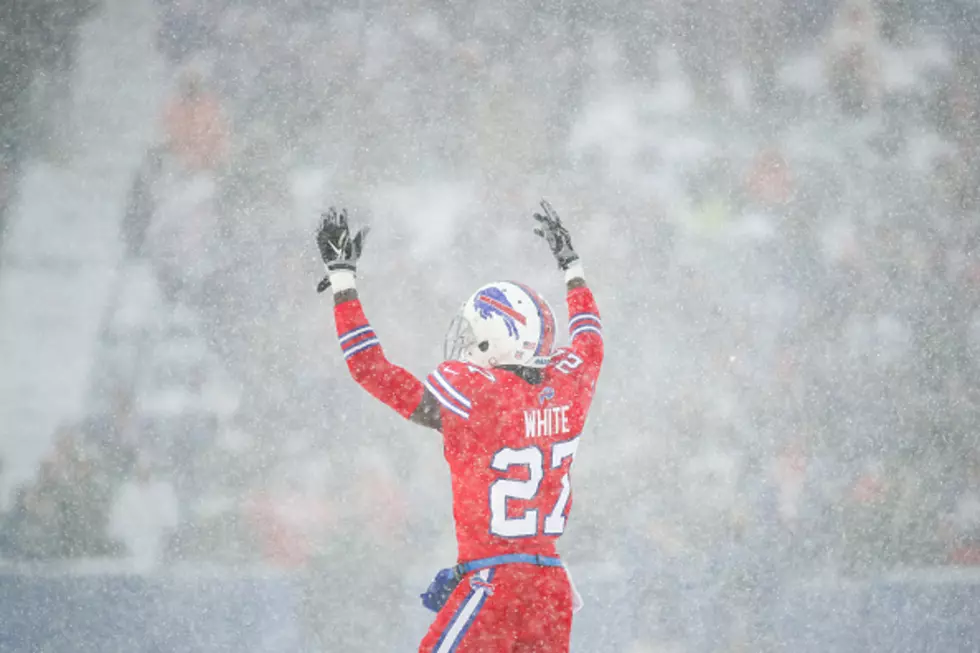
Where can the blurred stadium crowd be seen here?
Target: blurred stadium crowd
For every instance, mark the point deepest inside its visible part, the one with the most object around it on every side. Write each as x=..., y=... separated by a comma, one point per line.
x=778, y=205
x=38, y=46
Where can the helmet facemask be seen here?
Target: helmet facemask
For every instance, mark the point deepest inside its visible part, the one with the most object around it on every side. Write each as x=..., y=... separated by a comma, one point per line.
x=461, y=344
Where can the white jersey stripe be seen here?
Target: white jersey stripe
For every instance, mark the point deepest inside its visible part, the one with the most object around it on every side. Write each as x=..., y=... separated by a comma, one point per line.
x=464, y=616
x=361, y=346
x=584, y=316
x=584, y=328
x=356, y=332
x=442, y=399
x=456, y=394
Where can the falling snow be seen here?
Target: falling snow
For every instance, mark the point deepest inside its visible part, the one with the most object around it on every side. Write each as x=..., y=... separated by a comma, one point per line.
x=774, y=202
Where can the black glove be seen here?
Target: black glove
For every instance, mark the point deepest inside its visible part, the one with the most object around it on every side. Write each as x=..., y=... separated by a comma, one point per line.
x=556, y=236
x=337, y=249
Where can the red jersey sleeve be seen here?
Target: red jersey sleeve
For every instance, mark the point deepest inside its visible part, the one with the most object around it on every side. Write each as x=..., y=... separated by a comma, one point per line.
x=585, y=329
x=366, y=361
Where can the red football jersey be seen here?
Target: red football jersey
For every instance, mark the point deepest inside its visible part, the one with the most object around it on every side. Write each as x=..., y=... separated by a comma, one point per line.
x=510, y=444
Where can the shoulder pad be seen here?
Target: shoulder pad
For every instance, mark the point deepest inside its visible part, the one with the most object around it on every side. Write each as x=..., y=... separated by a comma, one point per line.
x=455, y=384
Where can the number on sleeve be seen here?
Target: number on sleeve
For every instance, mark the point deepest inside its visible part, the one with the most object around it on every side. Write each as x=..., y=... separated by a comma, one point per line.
x=568, y=363
x=503, y=489
x=554, y=523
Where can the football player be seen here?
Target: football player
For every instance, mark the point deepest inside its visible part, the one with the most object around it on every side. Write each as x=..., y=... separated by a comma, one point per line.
x=511, y=408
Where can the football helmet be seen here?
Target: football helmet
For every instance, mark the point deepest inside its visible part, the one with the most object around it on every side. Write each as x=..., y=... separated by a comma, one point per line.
x=502, y=323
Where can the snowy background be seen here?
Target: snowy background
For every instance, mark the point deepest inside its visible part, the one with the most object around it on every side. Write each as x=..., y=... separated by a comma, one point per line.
x=776, y=202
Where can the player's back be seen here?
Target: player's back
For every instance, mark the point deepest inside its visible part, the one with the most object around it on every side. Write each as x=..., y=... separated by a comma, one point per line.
x=510, y=449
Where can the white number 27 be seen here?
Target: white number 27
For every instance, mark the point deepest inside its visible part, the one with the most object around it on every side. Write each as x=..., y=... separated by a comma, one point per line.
x=503, y=489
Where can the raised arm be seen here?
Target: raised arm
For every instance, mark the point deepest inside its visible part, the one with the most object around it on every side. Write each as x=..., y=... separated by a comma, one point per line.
x=365, y=358
x=584, y=324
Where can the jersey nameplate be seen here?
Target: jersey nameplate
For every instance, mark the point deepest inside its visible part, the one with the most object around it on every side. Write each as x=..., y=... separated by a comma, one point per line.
x=546, y=422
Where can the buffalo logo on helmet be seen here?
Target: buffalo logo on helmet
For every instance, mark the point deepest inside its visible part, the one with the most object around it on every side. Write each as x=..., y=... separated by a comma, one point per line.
x=491, y=302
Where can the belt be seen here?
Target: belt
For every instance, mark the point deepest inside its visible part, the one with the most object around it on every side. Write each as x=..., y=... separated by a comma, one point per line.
x=464, y=568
